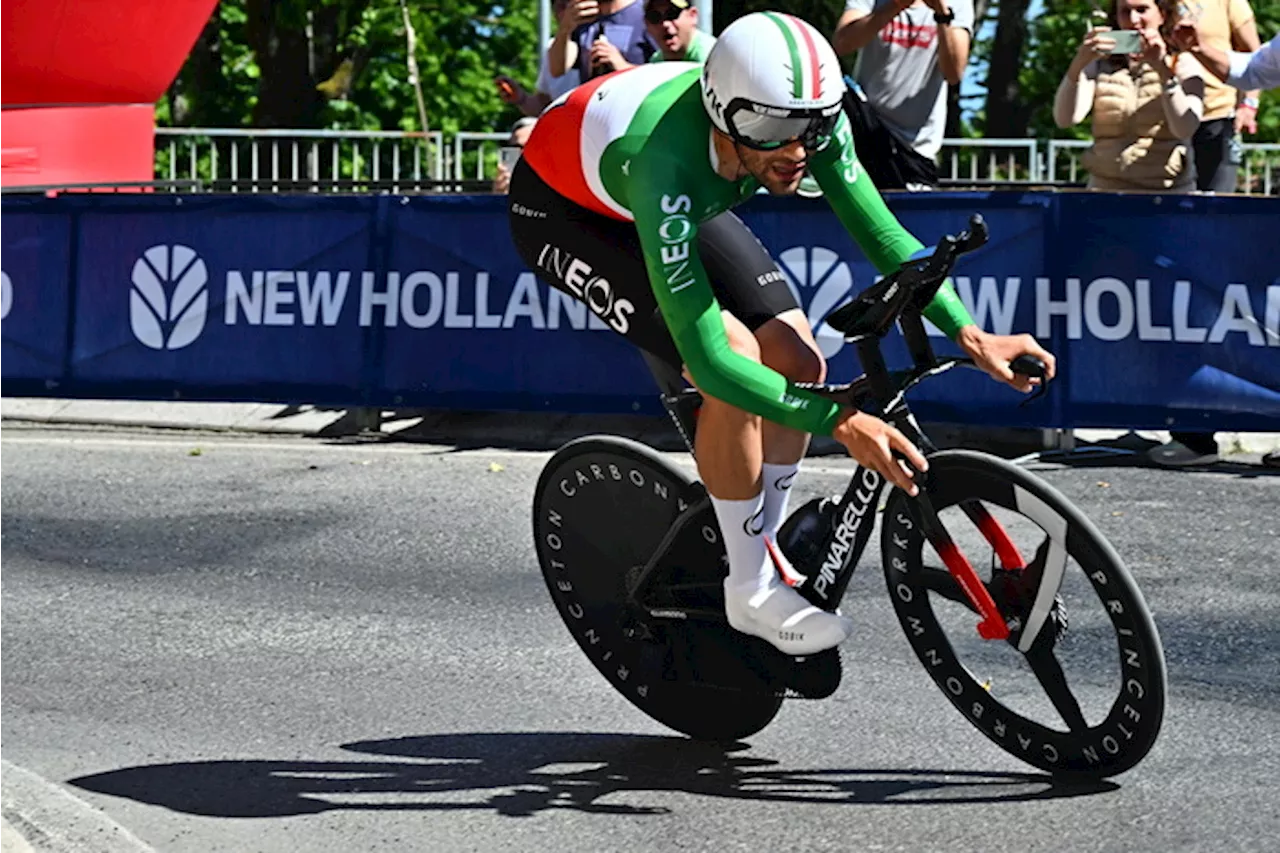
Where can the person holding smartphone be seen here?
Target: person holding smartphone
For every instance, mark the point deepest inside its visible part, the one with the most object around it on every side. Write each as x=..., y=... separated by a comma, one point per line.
x=600, y=36
x=548, y=87
x=1146, y=98
x=509, y=154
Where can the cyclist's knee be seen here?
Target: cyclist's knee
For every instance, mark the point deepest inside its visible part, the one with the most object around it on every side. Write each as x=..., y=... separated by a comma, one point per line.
x=795, y=358
x=804, y=364
x=741, y=340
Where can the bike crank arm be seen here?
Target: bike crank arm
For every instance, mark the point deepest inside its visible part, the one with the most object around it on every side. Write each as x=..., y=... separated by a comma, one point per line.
x=993, y=625
x=644, y=576
x=687, y=614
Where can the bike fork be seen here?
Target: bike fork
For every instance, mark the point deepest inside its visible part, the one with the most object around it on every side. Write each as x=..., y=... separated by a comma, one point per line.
x=993, y=625
x=1010, y=558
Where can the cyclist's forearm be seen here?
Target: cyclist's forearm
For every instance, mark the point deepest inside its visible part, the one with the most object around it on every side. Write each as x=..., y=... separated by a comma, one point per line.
x=947, y=311
x=859, y=207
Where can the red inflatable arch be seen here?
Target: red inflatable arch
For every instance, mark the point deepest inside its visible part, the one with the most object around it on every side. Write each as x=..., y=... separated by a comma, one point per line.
x=79, y=82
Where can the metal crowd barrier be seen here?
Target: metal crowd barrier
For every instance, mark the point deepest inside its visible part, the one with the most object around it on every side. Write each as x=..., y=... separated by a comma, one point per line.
x=276, y=160
x=324, y=161
x=970, y=162
x=1259, y=173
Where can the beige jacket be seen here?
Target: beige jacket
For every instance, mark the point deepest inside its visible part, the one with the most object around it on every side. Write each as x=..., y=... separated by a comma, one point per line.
x=1133, y=146
x=1141, y=127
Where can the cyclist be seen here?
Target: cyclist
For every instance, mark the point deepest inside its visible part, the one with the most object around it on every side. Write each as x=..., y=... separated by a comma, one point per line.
x=622, y=199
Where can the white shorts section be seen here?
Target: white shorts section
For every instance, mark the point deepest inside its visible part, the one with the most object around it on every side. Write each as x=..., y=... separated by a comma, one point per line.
x=610, y=112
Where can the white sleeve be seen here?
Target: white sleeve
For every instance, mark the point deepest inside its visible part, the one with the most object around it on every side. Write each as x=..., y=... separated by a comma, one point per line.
x=1257, y=70
x=544, y=74
x=867, y=6
x=963, y=10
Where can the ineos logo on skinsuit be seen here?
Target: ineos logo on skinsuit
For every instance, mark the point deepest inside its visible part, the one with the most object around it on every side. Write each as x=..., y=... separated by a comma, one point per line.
x=819, y=278
x=6, y=294
x=593, y=289
x=168, y=321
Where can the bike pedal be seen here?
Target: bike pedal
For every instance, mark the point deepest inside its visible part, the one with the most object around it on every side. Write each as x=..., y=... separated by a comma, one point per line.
x=815, y=676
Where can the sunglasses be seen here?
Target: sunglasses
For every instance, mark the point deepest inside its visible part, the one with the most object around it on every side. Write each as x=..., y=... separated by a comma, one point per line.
x=768, y=129
x=654, y=17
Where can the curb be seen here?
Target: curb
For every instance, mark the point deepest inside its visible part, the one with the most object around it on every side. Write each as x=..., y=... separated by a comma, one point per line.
x=523, y=430
x=40, y=816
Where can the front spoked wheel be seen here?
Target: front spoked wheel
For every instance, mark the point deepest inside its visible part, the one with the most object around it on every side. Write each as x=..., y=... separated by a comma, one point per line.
x=1079, y=685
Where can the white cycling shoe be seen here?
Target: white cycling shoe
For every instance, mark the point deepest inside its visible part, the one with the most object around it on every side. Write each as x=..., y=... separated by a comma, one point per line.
x=782, y=617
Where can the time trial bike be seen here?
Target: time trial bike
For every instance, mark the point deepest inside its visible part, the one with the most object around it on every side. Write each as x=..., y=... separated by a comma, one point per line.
x=981, y=566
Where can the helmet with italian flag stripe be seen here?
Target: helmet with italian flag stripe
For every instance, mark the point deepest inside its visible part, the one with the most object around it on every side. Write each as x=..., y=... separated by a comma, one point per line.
x=772, y=78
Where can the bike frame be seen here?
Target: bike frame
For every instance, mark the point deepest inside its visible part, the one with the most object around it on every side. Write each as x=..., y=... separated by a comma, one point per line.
x=884, y=392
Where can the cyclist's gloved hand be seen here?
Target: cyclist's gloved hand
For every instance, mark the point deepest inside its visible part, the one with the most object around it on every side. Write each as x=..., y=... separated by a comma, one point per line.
x=872, y=443
x=993, y=353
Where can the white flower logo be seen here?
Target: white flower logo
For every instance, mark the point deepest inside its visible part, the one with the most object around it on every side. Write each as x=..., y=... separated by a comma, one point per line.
x=6, y=294
x=174, y=321
x=818, y=277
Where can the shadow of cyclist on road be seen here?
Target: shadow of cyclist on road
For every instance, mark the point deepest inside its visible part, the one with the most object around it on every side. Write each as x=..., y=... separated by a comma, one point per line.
x=520, y=774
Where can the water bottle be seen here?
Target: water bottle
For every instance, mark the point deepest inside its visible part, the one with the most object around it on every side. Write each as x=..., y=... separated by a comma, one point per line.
x=801, y=535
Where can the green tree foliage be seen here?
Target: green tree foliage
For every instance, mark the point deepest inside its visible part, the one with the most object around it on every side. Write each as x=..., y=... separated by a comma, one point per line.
x=1054, y=38
x=258, y=63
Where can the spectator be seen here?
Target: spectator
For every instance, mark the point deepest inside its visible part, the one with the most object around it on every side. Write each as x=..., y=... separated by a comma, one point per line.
x=1218, y=25
x=673, y=25
x=908, y=51
x=1262, y=69
x=1222, y=24
x=599, y=36
x=520, y=132
x=1144, y=111
x=548, y=87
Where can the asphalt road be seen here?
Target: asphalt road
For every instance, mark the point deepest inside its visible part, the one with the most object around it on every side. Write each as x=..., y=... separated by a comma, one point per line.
x=254, y=644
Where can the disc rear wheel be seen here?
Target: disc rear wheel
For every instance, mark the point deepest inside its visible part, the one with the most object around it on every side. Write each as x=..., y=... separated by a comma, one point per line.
x=602, y=508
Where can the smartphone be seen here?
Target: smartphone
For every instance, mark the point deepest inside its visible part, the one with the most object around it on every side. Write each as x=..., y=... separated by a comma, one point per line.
x=508, y=155
x=1127, y=41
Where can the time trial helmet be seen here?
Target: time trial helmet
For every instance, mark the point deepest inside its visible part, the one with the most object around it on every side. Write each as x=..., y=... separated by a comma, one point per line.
x=772, y=78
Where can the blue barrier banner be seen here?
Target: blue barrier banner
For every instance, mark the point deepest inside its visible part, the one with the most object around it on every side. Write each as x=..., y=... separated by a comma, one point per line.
x=473, y=328
x=1167, y=310
x=35, y=303
x=259, y=296
x=824, y=268
x=1163, y=311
